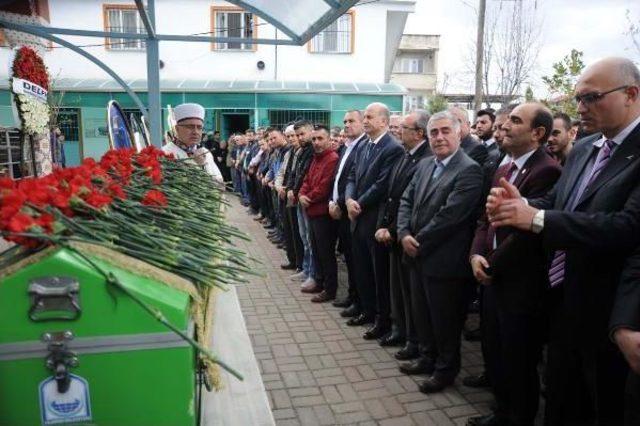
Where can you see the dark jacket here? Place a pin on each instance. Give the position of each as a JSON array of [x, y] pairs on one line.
[[597, 236], [518, 263], [474, 149], [400, 177], [302, 165], [439, 214], [368, 181]]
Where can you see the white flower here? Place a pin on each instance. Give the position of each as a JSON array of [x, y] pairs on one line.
[[34, 115]]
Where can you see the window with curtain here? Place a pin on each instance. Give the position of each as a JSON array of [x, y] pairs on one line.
[[124, 20], [335, 38], [237, 24], [409, 65]]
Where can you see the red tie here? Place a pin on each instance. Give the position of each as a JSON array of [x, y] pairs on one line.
[[506, 171]]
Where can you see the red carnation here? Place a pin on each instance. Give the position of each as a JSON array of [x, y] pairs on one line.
[[98, 200], [154, 198]]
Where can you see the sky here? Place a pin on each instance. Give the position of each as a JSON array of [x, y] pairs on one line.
[[595, 27]]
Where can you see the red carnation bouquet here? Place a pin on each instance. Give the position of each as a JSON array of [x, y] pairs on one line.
[[28, 65], [147, 205]]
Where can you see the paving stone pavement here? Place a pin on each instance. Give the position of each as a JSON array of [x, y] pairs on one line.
[[319, 371]]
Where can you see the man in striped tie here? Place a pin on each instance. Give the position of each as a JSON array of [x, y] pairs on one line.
[[589, 223], [514, 296]]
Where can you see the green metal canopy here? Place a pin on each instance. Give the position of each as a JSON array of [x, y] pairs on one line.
[[299, 20]]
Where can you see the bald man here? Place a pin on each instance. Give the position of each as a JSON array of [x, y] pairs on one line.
[[366, 190], [589, 223]]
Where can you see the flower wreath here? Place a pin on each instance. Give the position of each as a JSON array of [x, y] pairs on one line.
[[34, 115]]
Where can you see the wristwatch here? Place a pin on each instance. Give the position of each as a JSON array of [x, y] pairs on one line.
[[537, 224]]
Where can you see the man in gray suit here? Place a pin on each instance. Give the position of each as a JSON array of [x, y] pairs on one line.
[[435, 227]]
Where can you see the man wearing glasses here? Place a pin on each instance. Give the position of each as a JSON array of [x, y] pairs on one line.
[[589, 223], [190, 120]]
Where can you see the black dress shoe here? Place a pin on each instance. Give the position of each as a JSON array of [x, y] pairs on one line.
[[392, 339], [344, 303], [288, 266], [377, 331], [472, 335], [419, 366], [350, 312], [487, 420], [433, 384], [361, 319], [410, 351], [477, 381]]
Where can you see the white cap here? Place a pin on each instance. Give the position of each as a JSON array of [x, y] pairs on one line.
[[184, 111]]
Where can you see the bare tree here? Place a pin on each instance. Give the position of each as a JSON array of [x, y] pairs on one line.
[[512, 42], [633, 31], [517, 47]]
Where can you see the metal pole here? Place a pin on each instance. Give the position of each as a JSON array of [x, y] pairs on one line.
[[153, 79], [477, 100]]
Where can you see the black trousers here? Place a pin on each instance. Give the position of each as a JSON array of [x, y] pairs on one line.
[[585, 381], [298, 247], [383, 285], [632, 400], [438, 306], [512, 347], [401, 295], [324, 233], [364, 254], [344, 235], [254, 191]]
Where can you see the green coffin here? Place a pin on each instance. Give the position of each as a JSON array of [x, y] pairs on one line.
[[130, 368]]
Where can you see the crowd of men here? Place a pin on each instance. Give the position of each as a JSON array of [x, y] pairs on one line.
[[426, 210]]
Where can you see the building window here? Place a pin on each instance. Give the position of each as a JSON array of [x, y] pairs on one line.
[[123, 19], [234, 23], [413, 102], [424, 64], [282, 118], [335, 38], [10, 153], [69, 123]]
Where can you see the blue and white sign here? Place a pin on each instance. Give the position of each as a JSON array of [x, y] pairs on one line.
[[70, 407]]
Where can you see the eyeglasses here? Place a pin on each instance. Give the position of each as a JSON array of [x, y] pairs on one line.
[[409, 128], [593, 97], [192, 127]]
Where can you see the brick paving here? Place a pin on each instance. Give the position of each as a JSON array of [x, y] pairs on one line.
[[319, 371]]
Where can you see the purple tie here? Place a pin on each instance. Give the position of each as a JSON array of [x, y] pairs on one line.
[[556, 271]]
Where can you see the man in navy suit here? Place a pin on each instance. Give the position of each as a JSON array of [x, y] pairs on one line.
[[366, 189]]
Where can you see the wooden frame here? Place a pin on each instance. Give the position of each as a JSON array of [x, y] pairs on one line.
[[352, 47], [105, 21], [215, 10]]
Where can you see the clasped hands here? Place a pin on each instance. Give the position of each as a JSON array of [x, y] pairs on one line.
[[353, 209], [505, 207]]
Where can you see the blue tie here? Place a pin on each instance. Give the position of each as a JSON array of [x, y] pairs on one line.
[[438, 170]]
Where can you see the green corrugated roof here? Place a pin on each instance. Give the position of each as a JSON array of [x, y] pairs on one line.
[[108, 85]]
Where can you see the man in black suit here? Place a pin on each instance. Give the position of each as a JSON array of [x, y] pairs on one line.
[[366, 188], [624, 327], [414, 140], [436, 220], [590, 222], [355, 135], [514, 296], [470, 145]]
